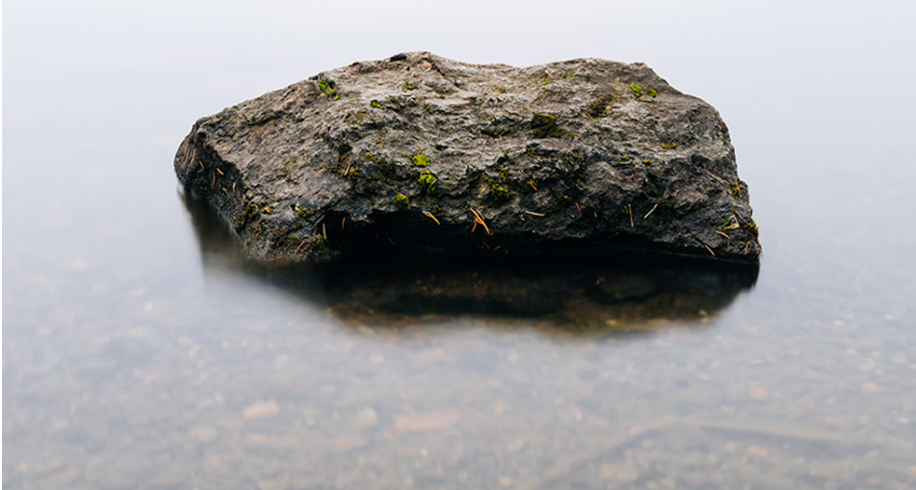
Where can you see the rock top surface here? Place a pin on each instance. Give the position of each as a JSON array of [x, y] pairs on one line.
[[418, 152]]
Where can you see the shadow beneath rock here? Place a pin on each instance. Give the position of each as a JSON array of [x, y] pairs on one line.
[[622, 290]]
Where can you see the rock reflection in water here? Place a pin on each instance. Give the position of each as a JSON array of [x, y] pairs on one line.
[[625, 290]]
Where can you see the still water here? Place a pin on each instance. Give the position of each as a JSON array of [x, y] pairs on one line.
[[140, 351]]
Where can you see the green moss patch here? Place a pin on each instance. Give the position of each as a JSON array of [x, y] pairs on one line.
[[545, 126], [250, 213], [498, 191], [328, 89], [401, 201], [600, 107], [750, 227], [421, 160], [428, 181], [638, 92]]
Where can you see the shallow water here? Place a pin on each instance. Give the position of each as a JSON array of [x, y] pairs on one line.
[[140, 352]]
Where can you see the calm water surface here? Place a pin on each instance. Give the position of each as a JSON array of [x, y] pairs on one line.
[[139, 351]]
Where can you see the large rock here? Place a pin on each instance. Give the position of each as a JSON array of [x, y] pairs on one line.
[[423, 153]]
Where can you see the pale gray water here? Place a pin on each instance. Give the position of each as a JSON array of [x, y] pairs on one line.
[[139, 353]]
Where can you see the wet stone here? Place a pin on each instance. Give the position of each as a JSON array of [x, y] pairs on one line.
[[434, 155]]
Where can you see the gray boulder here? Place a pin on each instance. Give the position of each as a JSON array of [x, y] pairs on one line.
[[425, 154]]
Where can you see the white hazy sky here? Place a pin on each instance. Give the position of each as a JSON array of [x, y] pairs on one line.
[[700, 46]]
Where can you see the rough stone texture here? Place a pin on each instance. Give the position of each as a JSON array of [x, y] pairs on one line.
[[424, 153]]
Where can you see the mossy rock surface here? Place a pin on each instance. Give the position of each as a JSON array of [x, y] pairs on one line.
[[537, 160]]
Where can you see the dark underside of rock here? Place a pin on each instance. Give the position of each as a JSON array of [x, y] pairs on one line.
[[422, 153]]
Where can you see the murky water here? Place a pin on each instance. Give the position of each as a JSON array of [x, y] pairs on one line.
[[140, 352]]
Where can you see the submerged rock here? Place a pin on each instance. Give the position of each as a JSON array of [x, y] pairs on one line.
[[629, 291], [423, 153]]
